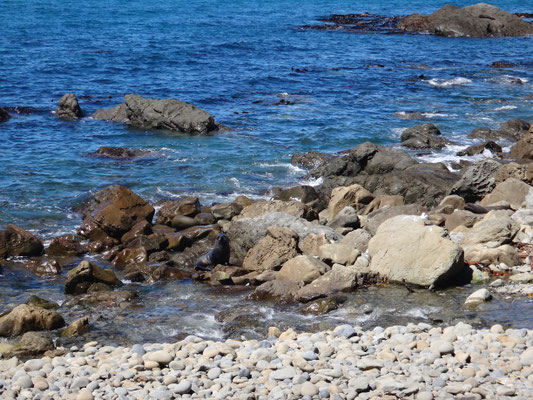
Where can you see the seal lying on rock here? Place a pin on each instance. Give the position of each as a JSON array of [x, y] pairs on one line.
[[218, 255]]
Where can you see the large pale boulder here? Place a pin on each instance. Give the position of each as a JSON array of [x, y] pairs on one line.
[[480, 254], [277, 247], [25, 318], [376, 218], [404, 249], [512, 190], [491, 232], [302, 268], [245, 233], [355, 196]]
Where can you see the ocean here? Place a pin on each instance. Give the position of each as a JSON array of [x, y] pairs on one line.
[[236, 60]]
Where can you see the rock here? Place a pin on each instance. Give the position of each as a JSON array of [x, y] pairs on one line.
[[204, 218], [39, 302], [115, 114], [84, 394], [479, 20], [68, 108], [284, 373], [66, 246], [311, 159], [183, 387], [479, 296], [491, 233], [449, 204], [424, 136], [15, 241], [357, 239], [320, 306], [79, 279], [117, 298], [513, 130], [304, 193], [277, 247], [169, 114], [126, 257], [339, 278], [186, 206], [335, 253], [177, 241], [24, 318], [295, 208], [491, 146], [376, 218], [43, 267], [512, 191], [354, 196], [382, 201], [188, 257], [282, 290], [524, 172], [477, 181], [161, 357], [480, 254], [416, 254], [302, 268], [245, 233], [119, 152], [180, 222], [346, 218], [461, 218], [142, 228], [33, 344], [524, 277], [226, 210], [4, 115], [77, 328], [113, 211]]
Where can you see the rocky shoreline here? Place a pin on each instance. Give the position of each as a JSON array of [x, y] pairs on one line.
[[414, 361]]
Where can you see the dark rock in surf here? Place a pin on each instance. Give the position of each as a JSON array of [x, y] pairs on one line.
[[65, 246], [478, 20], [119, 152], [68, 108], [114, 114], [424, 136], [4, 115]]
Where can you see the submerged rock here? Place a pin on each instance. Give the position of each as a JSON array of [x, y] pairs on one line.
[[69, 108], [119, 152], [479, 20]]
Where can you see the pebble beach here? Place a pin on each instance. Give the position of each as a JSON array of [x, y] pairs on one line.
[[409, 362]]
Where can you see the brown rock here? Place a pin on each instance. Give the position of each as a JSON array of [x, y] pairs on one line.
[[302, 268], [204, 218], [311, 244], [114, 210], [150, 243], [295, 208], [15, 241], [523, 150], [449, 204], [480, 254], [130, 256], [24, 318], [141, 228], [273, 250], [65, 246], [523, 172], [39, 302], [77, 328], [117, 298], [382, 201], [196, 233], [305, 194], [355, 196], [86, 273], [33, 344], [186, 206], [177, 241], [461, 217], [277, 290], [43, 268], [512, 191], [226, 210]]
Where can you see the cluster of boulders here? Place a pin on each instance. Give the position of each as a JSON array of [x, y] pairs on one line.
[[144, 113]]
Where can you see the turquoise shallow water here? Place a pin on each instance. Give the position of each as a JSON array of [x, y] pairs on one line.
[[235, 59]]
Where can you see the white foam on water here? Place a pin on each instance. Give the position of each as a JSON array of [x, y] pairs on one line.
[[438, 115], [312, 181], [503, 108], [235, 182], [510, 79], [449, 82], [293, 169], [398, 131]]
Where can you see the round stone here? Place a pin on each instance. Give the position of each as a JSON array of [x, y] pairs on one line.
[[309, 389]]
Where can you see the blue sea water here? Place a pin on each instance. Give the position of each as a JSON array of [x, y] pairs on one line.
[[234, 59]]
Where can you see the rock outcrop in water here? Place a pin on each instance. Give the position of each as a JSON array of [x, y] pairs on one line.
[[69, 108], [15, 241], [477, 21], [4, 115], [167, 114]]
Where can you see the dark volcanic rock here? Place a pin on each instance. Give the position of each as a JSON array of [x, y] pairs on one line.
[[4, 115], [68, 108], [114, 114], [477, 180], [15, 241], [358, 23], [424, 136], [113, 211], [479, 20], [493, 147], [119, 152], [168, 114]]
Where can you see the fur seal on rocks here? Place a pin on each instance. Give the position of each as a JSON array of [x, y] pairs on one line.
[[218, 255]]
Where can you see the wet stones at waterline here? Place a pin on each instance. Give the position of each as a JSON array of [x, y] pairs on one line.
[[80, 279]]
